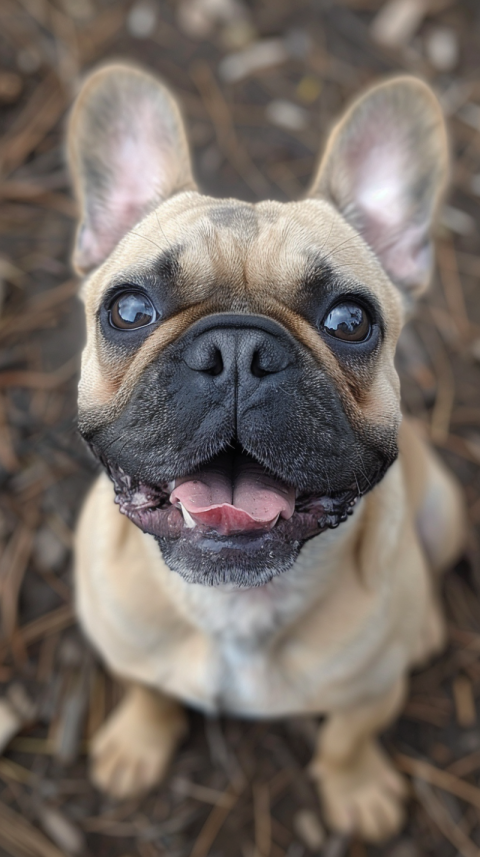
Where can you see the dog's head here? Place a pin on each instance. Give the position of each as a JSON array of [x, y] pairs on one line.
[[238, 381]]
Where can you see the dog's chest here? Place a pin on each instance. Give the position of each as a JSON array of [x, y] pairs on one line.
[[248, 680], [243, 671], [278, 649], [250, 669]]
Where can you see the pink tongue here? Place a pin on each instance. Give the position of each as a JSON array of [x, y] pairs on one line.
[[247, 499]]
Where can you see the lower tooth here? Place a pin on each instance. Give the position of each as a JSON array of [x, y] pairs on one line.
[[189, 522]]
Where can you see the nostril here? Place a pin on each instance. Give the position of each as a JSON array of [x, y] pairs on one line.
[[256, 368], [215, 366]]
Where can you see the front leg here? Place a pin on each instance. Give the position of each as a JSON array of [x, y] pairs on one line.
[[131, 752], [359, 789]]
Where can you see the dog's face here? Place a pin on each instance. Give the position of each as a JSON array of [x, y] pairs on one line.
[[238, 381]]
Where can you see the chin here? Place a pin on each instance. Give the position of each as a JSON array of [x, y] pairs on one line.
[[231, 521]]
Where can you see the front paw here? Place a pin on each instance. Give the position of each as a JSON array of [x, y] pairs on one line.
[[131, 752], [365, 798]]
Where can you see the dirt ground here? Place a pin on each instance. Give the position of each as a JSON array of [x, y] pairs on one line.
[[236, 789]]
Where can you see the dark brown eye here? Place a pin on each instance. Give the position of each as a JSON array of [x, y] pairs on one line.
[[347, 321], [131, 310]]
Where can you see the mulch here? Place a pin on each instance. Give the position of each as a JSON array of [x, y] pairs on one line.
[[236, 788]]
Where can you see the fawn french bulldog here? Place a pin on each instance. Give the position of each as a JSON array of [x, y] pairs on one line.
[[282, 528]]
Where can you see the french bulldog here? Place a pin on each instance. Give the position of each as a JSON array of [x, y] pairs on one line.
[[267, 534]]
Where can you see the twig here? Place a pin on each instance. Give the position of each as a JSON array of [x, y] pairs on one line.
[[452, 287], [37, 118], [16, 832], [466, 765], [48, 624], [214, 822], [263, 824], [445, 823], [436, 777], [40, 380], [12, 569], [227, 139]]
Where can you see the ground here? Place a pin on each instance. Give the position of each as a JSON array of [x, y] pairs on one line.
[[236, 788]]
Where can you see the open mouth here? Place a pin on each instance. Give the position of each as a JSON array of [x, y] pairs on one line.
[[233, 494], [232, 500]]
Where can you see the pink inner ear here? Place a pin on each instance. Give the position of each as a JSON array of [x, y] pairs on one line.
[[379, 187], [141, 170], [382, 205]]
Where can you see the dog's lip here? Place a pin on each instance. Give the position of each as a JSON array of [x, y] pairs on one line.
[[149, 508]]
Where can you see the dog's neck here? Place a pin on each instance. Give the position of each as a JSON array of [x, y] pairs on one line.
[[254, 616]]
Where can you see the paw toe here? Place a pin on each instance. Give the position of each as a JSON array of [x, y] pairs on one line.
[[366, 800], [378, 816]]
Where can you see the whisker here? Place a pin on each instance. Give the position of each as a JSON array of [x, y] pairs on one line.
[[160, 225], [139, 235]]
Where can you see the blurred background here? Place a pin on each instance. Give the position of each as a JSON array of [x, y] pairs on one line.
[[259, 83]]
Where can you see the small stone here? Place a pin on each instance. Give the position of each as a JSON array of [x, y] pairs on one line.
[[458, 221], [211, 159], [260, 55], [142, 19], [470, 114], [464, 699], [442, 48], [295, 849], [397, 22], [455, 96], [472, 442], [10, 723], [469, 741], [61, 831], [193, 20], [475, 350], [405, 848], [198, 18], [11, 273], [475, 184], [79, 10], [11, 85], [287, 115], [16, 709], [29, 60], [70, 653], [308, 828], [49, 552], [48, 789], [309, 89], [298, 43], [21, 702], [238, 34]]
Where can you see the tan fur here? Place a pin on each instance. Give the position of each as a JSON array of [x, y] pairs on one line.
[[335, 635]]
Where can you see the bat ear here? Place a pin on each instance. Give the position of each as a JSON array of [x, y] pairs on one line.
[[127, 151], [384, 168]]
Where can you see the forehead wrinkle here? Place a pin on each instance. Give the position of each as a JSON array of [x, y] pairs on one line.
[[227, 253], [269, 261]]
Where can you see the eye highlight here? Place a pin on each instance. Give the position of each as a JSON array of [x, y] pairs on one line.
[[348, 321], [131, 310]]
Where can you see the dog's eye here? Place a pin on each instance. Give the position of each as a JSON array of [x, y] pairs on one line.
[[347, 321], [131, 310]]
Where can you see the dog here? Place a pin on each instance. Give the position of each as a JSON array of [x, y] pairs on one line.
[[267, 534]]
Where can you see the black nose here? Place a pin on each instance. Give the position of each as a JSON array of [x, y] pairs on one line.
[[239, 349]]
